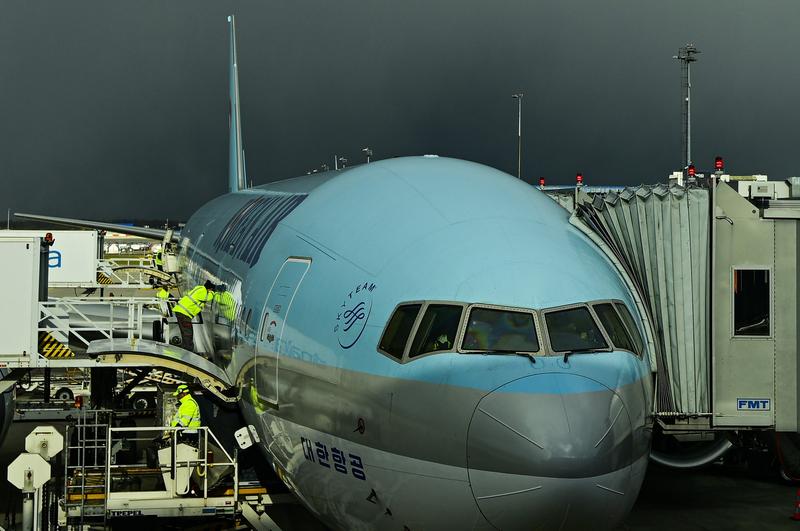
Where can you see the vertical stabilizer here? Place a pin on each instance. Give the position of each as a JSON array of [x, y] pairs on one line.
[[236, 177]]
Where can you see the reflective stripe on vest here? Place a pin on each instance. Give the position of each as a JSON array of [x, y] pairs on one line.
[[189, 305], [188, 414]]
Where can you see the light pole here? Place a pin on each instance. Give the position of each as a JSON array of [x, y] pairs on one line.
[[518, 97], [686, 56]]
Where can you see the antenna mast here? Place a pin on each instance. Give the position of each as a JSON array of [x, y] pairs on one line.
[[686, 55]]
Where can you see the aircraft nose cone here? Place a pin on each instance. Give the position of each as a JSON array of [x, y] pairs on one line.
[[552, 451]]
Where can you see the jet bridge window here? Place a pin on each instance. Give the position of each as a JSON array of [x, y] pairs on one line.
[[751, 302], [437, 330], [494, 330], [615, 329], [397, 331], [573, 329]]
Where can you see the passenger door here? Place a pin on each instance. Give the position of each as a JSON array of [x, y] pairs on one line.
[[273, 323]]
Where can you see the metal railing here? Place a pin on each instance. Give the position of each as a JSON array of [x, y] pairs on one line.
[[172, 436], [85, 466], [99, 318], [128, 272]]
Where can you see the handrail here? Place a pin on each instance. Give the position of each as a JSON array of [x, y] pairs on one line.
[[103, 315], [133, 272], [201, 461]]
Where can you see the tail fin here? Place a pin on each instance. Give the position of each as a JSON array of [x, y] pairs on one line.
[[236, 176]]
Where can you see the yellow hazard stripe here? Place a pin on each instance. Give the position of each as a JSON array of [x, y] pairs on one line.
[[103, 279], [50, 347]]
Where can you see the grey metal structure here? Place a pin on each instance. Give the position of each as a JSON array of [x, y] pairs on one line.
[[715, 265], [661, 235], [686, 55]]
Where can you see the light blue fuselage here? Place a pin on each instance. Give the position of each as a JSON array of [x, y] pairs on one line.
[[449, 440]]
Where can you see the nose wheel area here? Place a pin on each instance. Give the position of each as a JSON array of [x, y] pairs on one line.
[[552, 451]]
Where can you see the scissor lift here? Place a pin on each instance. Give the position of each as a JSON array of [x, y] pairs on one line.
[[108, 475]]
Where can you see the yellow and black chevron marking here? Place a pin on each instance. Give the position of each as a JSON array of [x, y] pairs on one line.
[[50, 347], [103, 279]]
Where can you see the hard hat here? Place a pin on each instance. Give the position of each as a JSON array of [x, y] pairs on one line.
[[182, 388]]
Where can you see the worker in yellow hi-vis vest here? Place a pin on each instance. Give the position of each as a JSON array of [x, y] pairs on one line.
[[188, 414], [187, 308]]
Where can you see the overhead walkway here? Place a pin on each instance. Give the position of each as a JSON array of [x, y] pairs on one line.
[[659, 238]]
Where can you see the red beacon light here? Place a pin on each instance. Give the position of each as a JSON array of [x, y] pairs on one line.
[[690, 170], [541, 182], [719, 164], [579, 179]]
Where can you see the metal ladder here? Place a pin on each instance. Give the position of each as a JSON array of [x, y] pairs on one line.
[[85, 468]]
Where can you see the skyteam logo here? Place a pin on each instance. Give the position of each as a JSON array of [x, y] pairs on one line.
[[753, 404], [353, 313]]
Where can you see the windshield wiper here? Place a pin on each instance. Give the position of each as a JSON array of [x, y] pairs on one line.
[[503, 351], [583, 351]]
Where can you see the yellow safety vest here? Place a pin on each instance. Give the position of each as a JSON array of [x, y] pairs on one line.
[[159, 258], [188, 414], [227, 306], [162, 294], [193, 302]]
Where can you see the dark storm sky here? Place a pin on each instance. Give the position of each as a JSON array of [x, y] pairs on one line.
[[119, 109]]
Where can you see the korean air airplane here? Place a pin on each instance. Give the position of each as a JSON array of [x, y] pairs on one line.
[[425, 343]]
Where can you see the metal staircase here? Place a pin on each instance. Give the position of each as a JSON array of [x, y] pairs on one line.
[[86, 469]]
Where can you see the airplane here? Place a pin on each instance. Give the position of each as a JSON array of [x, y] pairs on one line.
[[423, 343]]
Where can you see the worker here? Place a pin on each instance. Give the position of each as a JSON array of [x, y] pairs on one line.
[[158, 260], [187, 416], [226, 303], [188, 307], [166, 300]]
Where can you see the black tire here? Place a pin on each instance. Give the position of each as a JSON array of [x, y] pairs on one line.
[[141, 401], [65, 393]]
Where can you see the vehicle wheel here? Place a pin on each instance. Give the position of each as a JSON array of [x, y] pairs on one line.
[[140, 402], [65, 393]]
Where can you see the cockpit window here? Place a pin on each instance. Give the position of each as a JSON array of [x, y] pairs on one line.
[[500, 330], [573, 329], [437, 330], [397, 331], [613, 324], [627, 318]]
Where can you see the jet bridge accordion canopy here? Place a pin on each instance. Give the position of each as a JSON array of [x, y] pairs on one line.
[[659, 236]]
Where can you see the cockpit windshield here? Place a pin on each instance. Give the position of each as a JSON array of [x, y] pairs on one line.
[[573, 330], [437, 330], [492, 330]]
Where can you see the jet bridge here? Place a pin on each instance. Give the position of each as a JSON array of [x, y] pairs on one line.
[[714, 268]]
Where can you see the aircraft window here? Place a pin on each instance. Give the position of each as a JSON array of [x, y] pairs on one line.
[[437, 330], [614, 327], [573, 329], [500, 330], [632, 328], [397, 331]]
